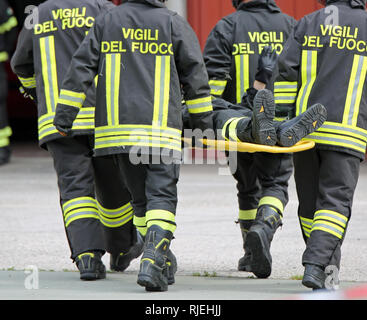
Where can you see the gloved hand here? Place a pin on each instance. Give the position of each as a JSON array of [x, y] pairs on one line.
[[248, 98], [267, 63], [64, 118], [29, 93], [63, 131]]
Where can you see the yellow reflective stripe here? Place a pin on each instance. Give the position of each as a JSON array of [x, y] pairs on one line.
[[284, 86], [28, 82], [89, 201], [332, 216], [116, 222], [70, 98], [200, 105], [49, 72], [337, 140], [8, 25], [160, 215], [140, 129], [306, 226], [140, 221], [90, 254], [163, 224], [217, 87], [161, 90], [5, 132], [272, 201], [138, 144], [162, 218], [139, 133], [113, 73], [242, 75], [285, 98], [4, 142], [355, 90], [4, 56], [309, 73], [232, 130], [247, 214], [139, 138], [328, 227], [140, 225], [344, 130], [112, 213], [80, 216], [224, 129]]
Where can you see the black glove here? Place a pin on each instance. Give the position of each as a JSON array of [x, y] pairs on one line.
[[29, 93], [64, 118], [248, 98], [268, 61]]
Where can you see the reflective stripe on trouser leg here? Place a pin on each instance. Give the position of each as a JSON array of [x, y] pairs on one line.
[[141, 225], [5, 133], [306, 225], [272, 202], [162, 218], [114, 218], [82, 225], [117, 224]]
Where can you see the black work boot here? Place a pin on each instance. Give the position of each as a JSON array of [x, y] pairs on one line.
[[171, 267], [121, 261], [5, 155], [259, 238], [244, 264], [90, 265], [314, 277], [292, 131], [153, 264], [263, 113]]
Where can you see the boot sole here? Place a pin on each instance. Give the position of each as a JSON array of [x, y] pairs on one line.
[[261, 258], [305, 126], [147, 281], [90, 276], [263, 115]]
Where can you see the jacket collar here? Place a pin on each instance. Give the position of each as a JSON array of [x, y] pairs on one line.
[[259, 4]]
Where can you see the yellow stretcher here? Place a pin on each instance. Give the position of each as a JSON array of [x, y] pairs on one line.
[[222, 145]]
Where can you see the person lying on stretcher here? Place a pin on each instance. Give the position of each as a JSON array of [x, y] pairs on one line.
[[253, 120]]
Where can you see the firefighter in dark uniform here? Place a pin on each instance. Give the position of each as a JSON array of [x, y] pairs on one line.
[[96, 207], [8, 33], [327, 50], [143, 54], [231, 55]]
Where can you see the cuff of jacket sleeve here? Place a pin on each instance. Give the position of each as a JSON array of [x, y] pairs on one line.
[[65, 116]]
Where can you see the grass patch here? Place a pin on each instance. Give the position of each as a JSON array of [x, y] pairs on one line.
[[297, 277]]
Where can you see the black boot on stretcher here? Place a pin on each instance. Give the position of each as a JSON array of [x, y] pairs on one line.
[[292, 131]]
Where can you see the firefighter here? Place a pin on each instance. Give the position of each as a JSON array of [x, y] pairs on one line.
[[8, 32], [143, 55], [231, 55], [97, 212], [327, 49]]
